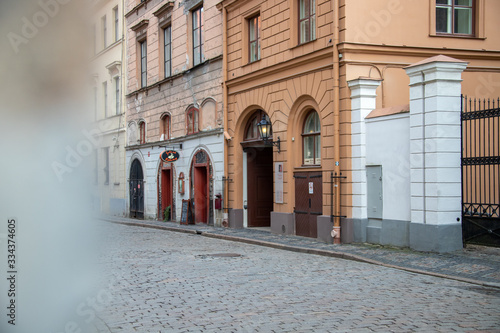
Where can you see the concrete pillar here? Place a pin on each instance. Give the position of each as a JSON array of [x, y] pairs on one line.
[[363, 101], [435, 144]]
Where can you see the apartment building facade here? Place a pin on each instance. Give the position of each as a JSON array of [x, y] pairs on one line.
[[174, 104], [108, 90], [341, 82]]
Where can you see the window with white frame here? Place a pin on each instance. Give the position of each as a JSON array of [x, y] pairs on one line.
[[455, 17]]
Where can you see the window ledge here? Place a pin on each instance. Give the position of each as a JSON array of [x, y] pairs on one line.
[[302, 44], [307, 167], [456, 36], [251, 62]]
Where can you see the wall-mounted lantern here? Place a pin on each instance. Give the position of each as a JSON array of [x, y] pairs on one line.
[[181, 183], [265, 128]]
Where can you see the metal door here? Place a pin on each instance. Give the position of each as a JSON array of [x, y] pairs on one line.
[[136, 190], [308, 202]]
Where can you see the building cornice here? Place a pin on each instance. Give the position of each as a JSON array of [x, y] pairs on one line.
[[275, 72], [140, 25], [165, 8], [138, 7], [419, 51], [180, 139]]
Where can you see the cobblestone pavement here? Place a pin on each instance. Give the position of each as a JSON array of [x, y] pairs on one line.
[[475, 264], [162, 281]]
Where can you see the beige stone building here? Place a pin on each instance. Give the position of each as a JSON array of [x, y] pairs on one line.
[[333, 77], [107, 84], [174, 103]]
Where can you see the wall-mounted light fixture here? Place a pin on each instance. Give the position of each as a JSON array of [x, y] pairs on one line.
[[265, 128]]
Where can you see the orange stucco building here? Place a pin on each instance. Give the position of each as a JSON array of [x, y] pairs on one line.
[[315, 69]]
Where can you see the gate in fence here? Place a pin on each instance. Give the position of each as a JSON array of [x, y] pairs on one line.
[[480, 171]]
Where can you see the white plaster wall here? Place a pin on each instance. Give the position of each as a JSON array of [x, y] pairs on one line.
[[388, 145], [150, 157]]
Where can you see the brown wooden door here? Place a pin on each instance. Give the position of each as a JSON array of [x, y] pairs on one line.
[[260, 186], [308, 206], [201, 194]]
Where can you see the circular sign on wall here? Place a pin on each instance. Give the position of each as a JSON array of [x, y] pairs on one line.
[[169, 156]]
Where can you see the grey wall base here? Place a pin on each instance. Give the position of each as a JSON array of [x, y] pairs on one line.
[[436, 238], [236, 218], [346, 231], [283, 223], [117, 207], [358, 229], [388, 232], [325, 227]]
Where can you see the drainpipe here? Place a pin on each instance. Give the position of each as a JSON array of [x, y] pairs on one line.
[[224, 111], [336, 119]]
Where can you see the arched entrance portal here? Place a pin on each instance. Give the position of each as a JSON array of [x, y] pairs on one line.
[[258, 197], [202, 188], [136, 190]]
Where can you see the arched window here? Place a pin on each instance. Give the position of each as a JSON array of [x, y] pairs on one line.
[[142, 132], [252, 133], [165, 127], [311, 136], [192, 121]]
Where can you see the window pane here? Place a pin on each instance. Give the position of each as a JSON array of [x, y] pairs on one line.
[[318, 149], [312, 124], [303, 9], [313, 27], [443, 19], [190, 122], [463, 21], [196, 19], [304, 31], [443, 2], [253, 29], [309, 150], [196, 55], [463, 3], [313, 7]]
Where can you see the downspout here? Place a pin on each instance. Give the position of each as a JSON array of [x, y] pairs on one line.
[[224, 111], [336, 119]]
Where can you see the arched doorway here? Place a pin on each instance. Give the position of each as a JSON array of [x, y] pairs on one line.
[[136, 190], [202, 188], [258, 197]]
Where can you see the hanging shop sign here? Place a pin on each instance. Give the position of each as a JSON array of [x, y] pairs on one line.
[[169, 156]]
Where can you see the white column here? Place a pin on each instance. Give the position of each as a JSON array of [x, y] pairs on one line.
[[363, 101], [435, 140]]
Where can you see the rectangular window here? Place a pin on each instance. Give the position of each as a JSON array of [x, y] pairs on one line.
[[105, 97], [198, 36], [105, 152], [455, 17], [117, 28], [167, 51], [117, 94], [254, 38], [104, 31], [143, 51], [307, 20]]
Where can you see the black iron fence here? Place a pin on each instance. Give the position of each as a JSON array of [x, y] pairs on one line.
[[481, 171]]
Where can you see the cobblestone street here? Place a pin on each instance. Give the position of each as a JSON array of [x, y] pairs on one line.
[[163, 281]]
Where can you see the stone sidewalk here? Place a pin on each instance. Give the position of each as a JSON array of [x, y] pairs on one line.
[[475, 264]]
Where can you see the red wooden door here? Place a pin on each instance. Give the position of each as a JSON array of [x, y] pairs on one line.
[[308, 202], [166, 191], [260, 186], [201, 194]]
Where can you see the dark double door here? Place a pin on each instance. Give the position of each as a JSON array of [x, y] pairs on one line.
[[308, 202], [260, 186], [136, 190]]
